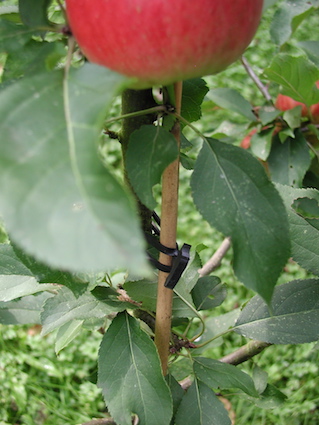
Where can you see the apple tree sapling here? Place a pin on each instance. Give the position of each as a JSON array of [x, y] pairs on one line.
[[160, 43], [62, 204]]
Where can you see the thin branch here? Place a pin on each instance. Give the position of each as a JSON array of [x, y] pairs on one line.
[[103, 421], [244, 353], [256, 80], [216, 259]]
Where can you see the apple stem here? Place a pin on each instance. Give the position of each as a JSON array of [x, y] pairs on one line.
[[169, 212]]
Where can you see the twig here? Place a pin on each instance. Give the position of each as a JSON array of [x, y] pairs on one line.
[[244, 353], [216, 259], [103, 421], [256, 80]]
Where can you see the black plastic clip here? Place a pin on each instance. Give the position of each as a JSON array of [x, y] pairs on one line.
[[180, 257]]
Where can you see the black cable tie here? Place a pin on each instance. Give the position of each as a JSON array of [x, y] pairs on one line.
[[156, 218], [179, 265], [180, 257], [162, 267], [152, 240]]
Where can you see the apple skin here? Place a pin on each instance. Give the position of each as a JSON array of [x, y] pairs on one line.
[[284, 103], [159, 42]]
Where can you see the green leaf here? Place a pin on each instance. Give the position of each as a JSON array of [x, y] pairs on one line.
[[66, 307], [311, 47], [34, 12], [13, 37], [216, 374], [294, 318], [183, 305], [297, 76], [176, 391], [267, 114], [21, 275], [186, 161], [200, 406], [41, 271], [12, 287], [67, 333], [289, 161], [232, 192], [57, 199], [293, 117], [10, 264], [11, 13], [287, 18], [307, 208], [145, 292], [270, 398], [130, 375], [208, 293], [32, 59], [233, 100], [260, 143], [151, 149], [260, 378], [214, 327], [190, 276], [194, 91], [23, 311], [304, 235]]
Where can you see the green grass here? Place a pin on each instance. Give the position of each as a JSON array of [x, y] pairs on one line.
[[38, 387]]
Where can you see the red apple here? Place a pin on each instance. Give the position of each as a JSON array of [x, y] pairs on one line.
[[162, 41], [284, 103]]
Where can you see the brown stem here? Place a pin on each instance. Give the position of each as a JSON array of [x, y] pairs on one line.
[[169, 211], [244, 353], [216, 259]]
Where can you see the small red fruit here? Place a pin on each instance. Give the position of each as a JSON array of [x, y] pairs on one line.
[[245, 143], [162, 41], [284, 103], [314, 109]]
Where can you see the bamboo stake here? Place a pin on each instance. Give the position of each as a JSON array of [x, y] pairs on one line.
[[169, 212]]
